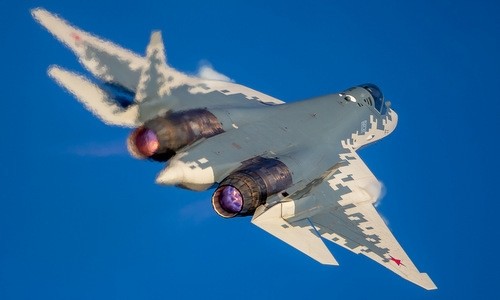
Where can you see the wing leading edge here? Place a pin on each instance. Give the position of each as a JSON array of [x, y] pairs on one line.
[[341, 210]]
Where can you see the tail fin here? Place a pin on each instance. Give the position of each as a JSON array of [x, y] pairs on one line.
[[153, 83], [95, 99]]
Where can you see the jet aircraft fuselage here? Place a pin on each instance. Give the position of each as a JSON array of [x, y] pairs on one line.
[[292, 167], [304, 135]]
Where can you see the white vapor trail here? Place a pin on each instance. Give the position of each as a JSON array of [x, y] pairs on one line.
[[206, 71], [197, 211], [377, 189], [94, 149]]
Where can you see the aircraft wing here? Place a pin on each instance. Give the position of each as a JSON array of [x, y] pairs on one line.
[[120, 68], [339, 205]]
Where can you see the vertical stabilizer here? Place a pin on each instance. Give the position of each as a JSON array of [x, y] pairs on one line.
[[153, 83]]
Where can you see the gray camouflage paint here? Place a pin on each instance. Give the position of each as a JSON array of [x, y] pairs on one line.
[[322, 178]]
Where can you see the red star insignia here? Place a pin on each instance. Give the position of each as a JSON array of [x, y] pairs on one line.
[[76, 36], [397, 261]]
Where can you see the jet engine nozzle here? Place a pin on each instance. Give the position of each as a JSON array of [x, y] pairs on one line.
[[239, 195], [158, 139], [227, 201], [146, 142], [242, 192], [143, 142]]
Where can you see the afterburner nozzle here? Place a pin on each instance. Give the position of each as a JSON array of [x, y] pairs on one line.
[[143, 143], [227, 201]]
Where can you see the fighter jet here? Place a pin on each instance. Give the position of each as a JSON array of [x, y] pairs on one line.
[[292, 167]]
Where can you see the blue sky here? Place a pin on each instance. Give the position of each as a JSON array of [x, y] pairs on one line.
[[80, 219]]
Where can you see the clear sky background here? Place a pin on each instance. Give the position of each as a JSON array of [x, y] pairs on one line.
[[80, 219]]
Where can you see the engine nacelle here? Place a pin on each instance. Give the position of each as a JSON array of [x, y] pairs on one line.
[[159, 138], [243, 191]]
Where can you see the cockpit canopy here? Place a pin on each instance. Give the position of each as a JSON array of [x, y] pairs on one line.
[[377, 96]]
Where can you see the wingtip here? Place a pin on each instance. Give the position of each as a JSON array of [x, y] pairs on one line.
[[53, 23], [35, 12], [59, 75], [53, 70], [427, 282], [40, 14], [330, 261]]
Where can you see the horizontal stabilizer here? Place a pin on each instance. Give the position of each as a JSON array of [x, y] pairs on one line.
[[94, 98], [300, 234]]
